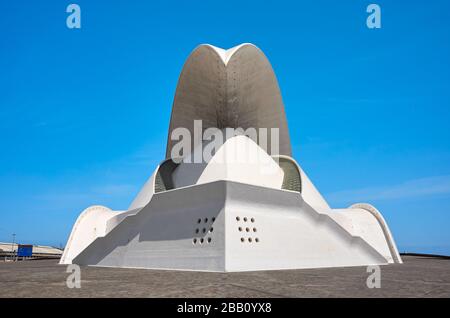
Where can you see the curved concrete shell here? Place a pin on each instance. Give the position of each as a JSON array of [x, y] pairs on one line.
[[234, 88], [245, 208]]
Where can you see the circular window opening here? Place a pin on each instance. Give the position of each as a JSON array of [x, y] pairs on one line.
[[250, 239], [209, 240], [254, 229], [204, 230], [238, 218], [196, 231], [194, 241], [201, 241], [211, 229], [206, 220], [245, 219], [242, 239], [252, 220], [213, 219], [247, 229], [199, 220], [256, 240], [240, 229]]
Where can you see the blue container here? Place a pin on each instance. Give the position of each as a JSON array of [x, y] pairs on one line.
[[25, 250]]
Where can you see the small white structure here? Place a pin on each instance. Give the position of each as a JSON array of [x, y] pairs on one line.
[[230, 215]]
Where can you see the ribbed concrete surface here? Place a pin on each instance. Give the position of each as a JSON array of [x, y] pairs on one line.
[[417, 277], [244, 93]]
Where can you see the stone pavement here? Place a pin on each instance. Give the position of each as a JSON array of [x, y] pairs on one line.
[[417, 277]]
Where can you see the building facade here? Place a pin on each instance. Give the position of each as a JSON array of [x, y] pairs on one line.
[[247, 206]]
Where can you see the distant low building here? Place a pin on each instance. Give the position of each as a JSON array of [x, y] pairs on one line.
[[37, 251]]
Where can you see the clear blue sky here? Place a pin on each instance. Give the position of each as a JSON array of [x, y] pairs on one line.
[[84, 113]]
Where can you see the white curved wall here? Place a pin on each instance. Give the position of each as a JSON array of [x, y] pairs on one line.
[[239, 159], [145, 194], [90, 224], [360, 222]]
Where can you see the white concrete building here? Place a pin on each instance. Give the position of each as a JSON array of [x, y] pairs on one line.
[[230, 215]]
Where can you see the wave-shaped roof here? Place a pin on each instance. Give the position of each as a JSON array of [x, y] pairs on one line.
[[229, 88]]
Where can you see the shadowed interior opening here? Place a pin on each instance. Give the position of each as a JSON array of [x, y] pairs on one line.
[[163, 180], [292, 180]]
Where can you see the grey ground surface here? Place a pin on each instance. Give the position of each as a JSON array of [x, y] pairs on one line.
[[417, 277]]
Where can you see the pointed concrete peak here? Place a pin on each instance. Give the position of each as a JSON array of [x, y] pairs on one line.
[[226, 55]]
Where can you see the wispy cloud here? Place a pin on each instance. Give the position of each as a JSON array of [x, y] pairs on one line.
[[437, 185]]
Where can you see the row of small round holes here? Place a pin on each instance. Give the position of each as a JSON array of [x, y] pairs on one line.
[[245, 219], [249, 240], [206, 220], [201, 240], [246, 229], [197, 231]]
